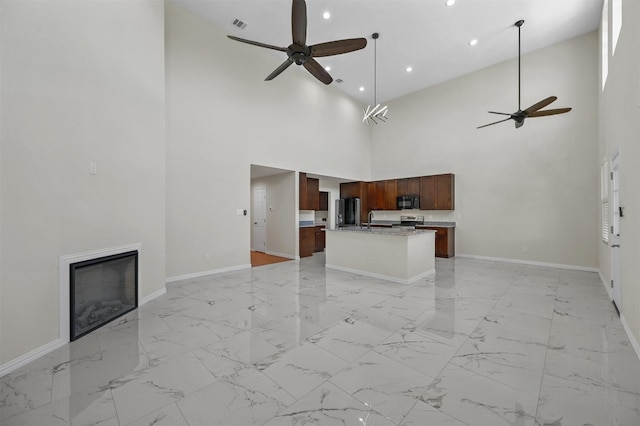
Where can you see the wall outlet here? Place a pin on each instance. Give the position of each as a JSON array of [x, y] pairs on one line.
[[93, 168]]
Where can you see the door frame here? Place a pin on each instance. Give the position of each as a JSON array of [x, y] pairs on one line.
[[614, 240]]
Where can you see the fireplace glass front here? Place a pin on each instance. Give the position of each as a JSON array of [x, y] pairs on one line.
[[101, 290]]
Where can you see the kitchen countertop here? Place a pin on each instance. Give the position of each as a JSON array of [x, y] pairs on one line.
[[432, 224], [396, 232]]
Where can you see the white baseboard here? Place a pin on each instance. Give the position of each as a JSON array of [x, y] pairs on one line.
[[152, 296], [205, 273], [606, 287], [275, 253], [380, 276], [530, 262], [57, 343], [630, 335], [31, 356]]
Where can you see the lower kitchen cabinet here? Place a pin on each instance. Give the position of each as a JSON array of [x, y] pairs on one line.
[[320, 239], [445, 241], [307, 241]]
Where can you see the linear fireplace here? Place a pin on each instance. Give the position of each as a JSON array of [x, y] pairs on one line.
[[101, 290]]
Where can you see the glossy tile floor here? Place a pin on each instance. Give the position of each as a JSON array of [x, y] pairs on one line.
[[482, 343]]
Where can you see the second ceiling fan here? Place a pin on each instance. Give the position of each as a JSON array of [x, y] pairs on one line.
[[299, 53], [534, 110]]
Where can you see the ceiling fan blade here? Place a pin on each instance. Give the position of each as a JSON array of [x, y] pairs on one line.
[[257, 43], [317, 71], [501, 113], [549, 112], [338, 47], [543, 103], [278, 70], [491, 124], [299, 22]]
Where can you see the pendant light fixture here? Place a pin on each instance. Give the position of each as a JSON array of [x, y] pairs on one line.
[[372, 114]]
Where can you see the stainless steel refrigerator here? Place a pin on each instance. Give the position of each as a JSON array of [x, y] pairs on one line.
[[347, 212]]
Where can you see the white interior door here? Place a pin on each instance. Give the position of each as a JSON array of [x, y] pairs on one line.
[[616, 213], [260, 219]]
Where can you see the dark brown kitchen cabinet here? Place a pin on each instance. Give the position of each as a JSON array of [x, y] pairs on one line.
[[437, 192], [320, 239], [351, 190], [379, 195], [445, 241], [313, 194], [409, 186], [390, 194], [324, 201], [302, 191], [307, 241], [309, 193]]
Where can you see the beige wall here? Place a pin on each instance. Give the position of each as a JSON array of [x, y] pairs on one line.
[[223, 117], [524, 193], [620, 132], [82, 81]]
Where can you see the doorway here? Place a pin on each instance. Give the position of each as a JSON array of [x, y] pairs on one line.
[[617, 213], [260, 219]]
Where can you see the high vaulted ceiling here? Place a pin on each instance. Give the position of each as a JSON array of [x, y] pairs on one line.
[[426, 35]]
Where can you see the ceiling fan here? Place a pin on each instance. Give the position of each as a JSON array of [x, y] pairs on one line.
[[299, 53], [534, 110]]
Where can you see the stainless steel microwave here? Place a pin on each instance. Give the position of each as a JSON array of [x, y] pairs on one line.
[[408, 202]]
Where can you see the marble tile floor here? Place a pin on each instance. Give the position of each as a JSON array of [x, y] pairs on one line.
[[479, 343]]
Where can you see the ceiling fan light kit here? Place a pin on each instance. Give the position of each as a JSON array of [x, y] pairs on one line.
[[376, 112], [299, 53], [534, 110]]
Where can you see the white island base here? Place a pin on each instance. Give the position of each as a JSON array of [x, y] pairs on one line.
[[396, 255]]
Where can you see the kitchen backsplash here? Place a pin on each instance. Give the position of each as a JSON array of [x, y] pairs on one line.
[[321, 216], [430, 215]]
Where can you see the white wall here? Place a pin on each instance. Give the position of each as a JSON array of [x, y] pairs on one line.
[[81, 81], [282, 228], [620, 131], [223, 117], [523, 193]]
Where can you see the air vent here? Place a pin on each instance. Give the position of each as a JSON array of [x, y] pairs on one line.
[[238, 23], [339, 80]]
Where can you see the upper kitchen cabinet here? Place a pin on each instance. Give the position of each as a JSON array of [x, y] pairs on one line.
[[391, 194], [409, 186], [309, 193], [351, 189], [324, 201], [437, 192], [313, 194]]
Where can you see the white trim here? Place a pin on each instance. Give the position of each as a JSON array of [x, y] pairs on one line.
[[57, 343], [607, 288], [30, 356], [380, 276], [530, 262], [275, 253], [152, 296], [63, 295], [205, 273], [630, 335]]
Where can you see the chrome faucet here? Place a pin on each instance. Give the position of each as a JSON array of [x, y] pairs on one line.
[[369, 219]]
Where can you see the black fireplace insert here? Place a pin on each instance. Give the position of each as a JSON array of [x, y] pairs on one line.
[[102, 290]]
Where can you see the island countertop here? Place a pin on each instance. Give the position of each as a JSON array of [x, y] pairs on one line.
[[400, 232]]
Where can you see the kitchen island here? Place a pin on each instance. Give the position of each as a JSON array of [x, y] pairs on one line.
[[399, 255]]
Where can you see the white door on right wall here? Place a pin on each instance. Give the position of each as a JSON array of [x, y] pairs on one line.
[[616, 213]]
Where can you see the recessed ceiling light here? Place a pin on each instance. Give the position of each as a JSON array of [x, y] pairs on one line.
[[409, 69], [328, 68], [361, 88], [451, 2], [473, 42], [327, 15]]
